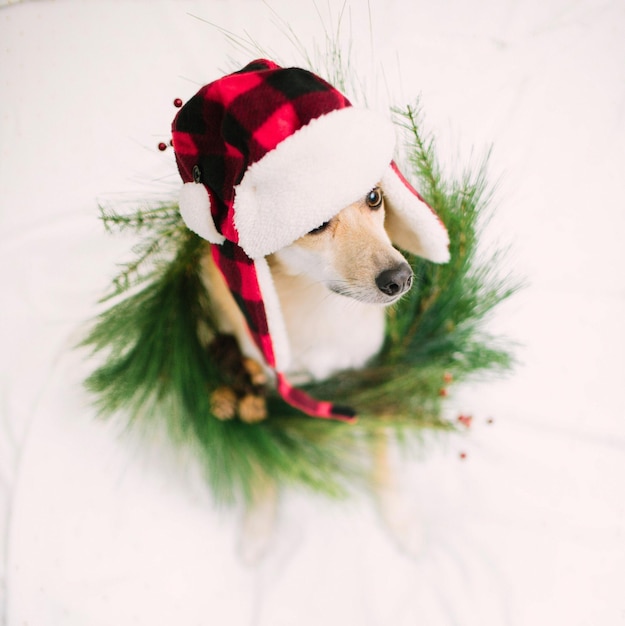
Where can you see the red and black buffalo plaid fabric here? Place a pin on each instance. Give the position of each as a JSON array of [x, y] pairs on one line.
[[218, 134], [234, 122]]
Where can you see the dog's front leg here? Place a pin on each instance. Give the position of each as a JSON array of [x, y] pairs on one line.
[[398, 511], [259, 520]]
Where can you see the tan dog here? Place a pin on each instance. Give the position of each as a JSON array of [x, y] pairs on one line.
[[270, 157], [333, 285]]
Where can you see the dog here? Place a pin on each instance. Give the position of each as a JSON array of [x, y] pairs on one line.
[[334, 285], [279, 175]]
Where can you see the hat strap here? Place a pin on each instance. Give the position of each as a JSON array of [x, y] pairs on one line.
[[315, 408]]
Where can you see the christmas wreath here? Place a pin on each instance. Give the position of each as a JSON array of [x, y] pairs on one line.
[[154, 364]]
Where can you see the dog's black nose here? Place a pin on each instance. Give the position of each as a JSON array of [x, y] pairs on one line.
[[395, 281]]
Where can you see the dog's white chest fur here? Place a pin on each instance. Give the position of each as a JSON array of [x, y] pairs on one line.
[[327, 332]]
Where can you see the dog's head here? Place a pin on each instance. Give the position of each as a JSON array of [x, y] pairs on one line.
[[352, 254]]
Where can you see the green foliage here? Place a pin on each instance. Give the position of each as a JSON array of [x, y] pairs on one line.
[[441, 321], [154, 366]]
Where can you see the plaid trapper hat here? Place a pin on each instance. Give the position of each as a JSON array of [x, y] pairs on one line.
[[253, 149]]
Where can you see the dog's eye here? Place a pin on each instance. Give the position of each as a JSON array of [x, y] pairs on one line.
[[319, 229], [374, 198]]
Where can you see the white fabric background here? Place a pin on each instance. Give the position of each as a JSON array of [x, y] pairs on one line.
[[529, 529]]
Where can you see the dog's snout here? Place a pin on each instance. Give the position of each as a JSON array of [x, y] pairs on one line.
[[395, 281]]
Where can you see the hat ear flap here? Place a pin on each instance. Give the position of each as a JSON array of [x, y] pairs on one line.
[[278, 353], [195, 209], [410, 223]]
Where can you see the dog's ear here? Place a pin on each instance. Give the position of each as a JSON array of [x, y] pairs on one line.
[[410, 223]]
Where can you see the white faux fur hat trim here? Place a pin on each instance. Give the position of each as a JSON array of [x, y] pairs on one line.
[[195, 209], [273, 312], [309, 177], [410, 223]]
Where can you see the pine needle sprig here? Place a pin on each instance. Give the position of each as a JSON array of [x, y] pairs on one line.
[[161, 230], [140, 219], [451, 302]]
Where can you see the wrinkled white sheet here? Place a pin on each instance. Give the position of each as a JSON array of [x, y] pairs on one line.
[[528, 530]]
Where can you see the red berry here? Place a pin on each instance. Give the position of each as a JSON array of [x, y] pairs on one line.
[[162, 146], [177, 103], [443, 392], [465, 420], [448, 377], [463, 455]]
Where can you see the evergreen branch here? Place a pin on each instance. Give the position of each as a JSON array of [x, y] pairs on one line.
[[132, 273], [165, 230], [421, 152], [140, 219]]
